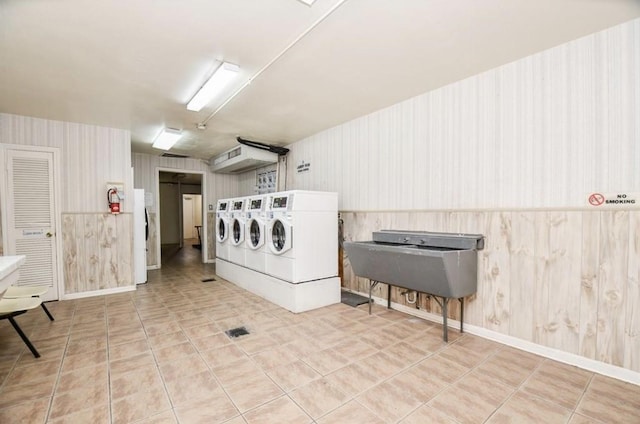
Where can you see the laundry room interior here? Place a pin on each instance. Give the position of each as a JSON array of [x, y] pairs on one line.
[[387, 212]]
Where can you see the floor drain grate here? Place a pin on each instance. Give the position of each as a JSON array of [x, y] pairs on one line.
[[207, 280], [236, 332]]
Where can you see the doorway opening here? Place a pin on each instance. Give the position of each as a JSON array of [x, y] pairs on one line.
[[180, 206]]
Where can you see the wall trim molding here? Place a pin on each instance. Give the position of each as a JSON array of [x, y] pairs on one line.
[[81, 295], [544, 351]]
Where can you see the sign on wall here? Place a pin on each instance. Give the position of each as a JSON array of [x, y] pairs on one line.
[[303, 167], [266, 182], [622, 200]]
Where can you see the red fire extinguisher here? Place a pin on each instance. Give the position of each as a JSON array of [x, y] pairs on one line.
[[114, 200]]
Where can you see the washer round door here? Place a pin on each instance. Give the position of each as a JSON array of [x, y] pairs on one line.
[[237, 232], [254, 234], [279, 236], [222, 230]]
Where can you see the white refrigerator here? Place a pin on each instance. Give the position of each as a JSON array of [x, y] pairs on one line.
[[140, 234]]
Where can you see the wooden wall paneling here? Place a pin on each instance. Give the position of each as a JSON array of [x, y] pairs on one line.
[[632, 319], [612, 285], [124, 250], [152, 241], [542, 283], [69, 253], [357, 227], [496, 276], [522, 269], [565, 239], [80, 227], [211, 239], [107, 248], [348, 229], [398, 221], [91, 260], [589, 287]]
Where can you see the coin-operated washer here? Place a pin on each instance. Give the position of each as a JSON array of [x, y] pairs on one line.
[[237, 222], [255, 233], [302, 236], [222, 229]]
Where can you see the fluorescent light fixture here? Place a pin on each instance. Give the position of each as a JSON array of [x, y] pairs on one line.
[[218, 81], [167, 138]]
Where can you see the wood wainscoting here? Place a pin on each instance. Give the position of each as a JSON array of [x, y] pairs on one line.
[[97, 251]]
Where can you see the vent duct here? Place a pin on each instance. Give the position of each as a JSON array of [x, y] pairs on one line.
[[173, 155], [241, 159]]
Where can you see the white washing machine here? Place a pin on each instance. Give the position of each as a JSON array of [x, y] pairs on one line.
[[222, 229], [302, 236], [255, 233], [237, 221]]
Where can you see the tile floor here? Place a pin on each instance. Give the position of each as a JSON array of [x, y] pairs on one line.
[[160, 355]]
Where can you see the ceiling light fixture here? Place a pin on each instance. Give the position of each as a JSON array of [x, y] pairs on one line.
[[308, 2], [275, 59], [218, 81], [167, 138]]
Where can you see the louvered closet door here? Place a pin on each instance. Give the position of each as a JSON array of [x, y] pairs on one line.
[[31, 216]]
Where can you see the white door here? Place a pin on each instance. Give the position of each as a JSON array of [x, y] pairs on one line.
[[187, 217], [31, 212]]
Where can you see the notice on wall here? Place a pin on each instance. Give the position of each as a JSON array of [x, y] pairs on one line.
[[148, 199], [618, 200], [303, 167], [266, 182]]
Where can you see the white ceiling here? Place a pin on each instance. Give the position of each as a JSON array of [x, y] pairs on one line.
[[135, 64]]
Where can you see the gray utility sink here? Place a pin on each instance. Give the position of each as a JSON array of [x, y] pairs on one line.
[[438, 271], [442, 265]]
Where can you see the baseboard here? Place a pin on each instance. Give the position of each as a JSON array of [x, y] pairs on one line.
[[547, 352], [71, 296], [152, 267]]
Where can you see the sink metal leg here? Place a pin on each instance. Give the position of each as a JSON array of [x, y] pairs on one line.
[[372, 284], [461, 314], [445, 327], [388, 296], [443, 305]]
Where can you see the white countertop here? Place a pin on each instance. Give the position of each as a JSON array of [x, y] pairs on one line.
[[8, 264]]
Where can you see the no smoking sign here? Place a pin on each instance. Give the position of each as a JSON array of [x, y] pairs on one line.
[[615, 200]]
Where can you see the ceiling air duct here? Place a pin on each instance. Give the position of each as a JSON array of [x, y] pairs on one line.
[[242, 159]]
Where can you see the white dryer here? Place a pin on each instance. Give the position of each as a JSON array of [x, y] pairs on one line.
[[255, 233], [222, 229], [237, 223], [302, 236]]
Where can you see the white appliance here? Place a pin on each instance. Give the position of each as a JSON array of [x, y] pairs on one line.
[[222, 229], [242, 159], [140, 235], [255, 233], [302, 236], [237, 223]]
